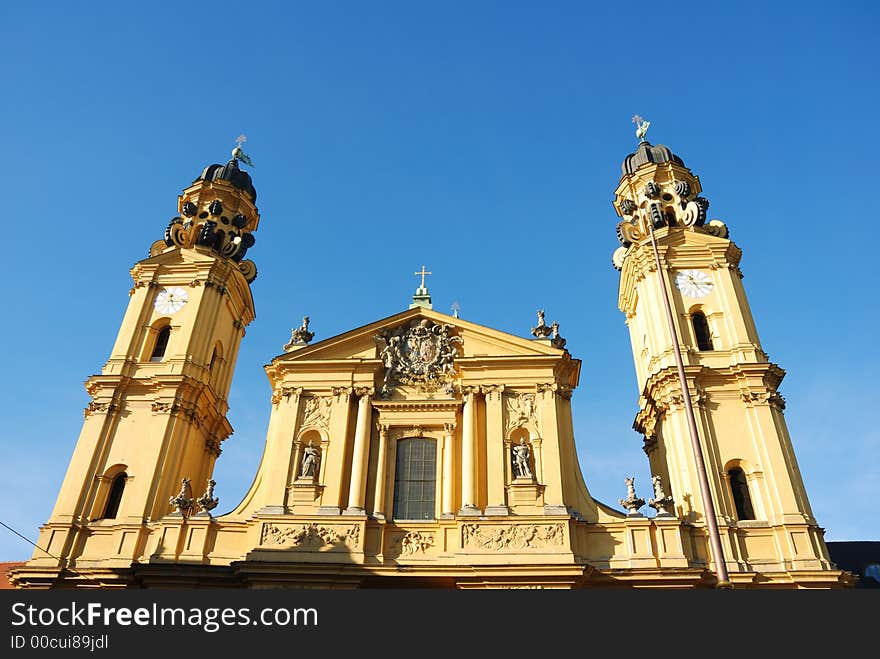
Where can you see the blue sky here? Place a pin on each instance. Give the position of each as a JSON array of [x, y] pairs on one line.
[[481, 139]]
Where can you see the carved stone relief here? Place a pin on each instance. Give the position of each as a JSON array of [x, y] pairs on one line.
[[521, 410], [551, 388], [316, 412], [342, 394], [99, 407], [420, 354], [415, 542], [512, 537], [286, 392], [311, 536]]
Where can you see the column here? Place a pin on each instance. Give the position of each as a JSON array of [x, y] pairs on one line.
[[468, 458], [448, 470], [379, 496], [361, 451], [495, 451]]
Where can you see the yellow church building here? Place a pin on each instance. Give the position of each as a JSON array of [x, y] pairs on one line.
[[423, 450]]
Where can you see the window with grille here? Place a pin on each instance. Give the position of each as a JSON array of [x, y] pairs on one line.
[[415, 478]]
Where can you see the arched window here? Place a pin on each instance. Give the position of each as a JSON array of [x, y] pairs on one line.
[[161, 344], [701, 331], [415, 481], [214, 357], [741, 498], [115, 496]]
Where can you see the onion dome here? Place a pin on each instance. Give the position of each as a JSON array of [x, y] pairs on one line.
[[648, 153], [230, 172]]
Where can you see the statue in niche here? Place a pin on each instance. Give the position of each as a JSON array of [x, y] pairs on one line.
[[309, 465], [521, 460]]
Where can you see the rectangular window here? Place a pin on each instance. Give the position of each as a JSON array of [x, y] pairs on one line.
[[415, 478]]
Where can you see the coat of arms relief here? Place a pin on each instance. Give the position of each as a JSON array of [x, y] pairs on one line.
[[421, 354]]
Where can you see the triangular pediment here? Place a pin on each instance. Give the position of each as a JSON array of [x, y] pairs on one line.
[[477, 340]]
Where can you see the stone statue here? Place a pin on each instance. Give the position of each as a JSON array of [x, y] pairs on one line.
[[309, 465], [300, 336], [541, 330], [521, 460], [632, 503], [661, 501], [391, 355], [557, 341], [183, 502], [208, 501]]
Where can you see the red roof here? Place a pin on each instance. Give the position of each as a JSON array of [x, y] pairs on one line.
[[4, 574]]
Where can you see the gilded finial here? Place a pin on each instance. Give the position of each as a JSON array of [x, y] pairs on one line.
[[238, 154], [641, 127]]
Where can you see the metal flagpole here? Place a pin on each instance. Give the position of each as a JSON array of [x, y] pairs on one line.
[[705, 493]]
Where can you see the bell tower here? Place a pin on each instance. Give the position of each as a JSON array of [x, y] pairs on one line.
[[763, 514], [158, 407]]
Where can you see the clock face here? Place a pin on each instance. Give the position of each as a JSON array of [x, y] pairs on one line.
[[693, 283], [170, 300]]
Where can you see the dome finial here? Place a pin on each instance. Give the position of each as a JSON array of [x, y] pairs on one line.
[[641, 127], [422, 298], [238, 154]]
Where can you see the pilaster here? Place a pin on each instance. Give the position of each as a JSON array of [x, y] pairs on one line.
[[448, 507], [495, 453], [333, 468], [554, 503], [279, 447]]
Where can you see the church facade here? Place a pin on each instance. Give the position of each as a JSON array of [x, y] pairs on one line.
[[423, 450]]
